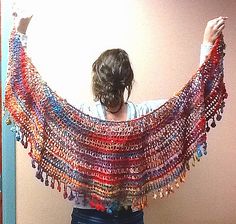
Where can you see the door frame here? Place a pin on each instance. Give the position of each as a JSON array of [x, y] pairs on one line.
[[8, 139]]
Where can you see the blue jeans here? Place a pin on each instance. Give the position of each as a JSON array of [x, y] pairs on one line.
[[92, 216]]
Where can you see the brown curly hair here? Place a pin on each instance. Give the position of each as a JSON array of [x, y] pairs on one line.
[[112, 74]]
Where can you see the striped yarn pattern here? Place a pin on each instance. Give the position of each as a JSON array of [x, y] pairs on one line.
[[114, 164]]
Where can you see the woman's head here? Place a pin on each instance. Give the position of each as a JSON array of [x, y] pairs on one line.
[[112, 74]]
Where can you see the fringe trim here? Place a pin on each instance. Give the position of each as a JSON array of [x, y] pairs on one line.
[[114, 206]]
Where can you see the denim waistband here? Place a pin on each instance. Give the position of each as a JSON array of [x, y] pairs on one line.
[[91, 216]]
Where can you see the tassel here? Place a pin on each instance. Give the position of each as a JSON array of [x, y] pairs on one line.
[[77, 198], [207, 127], [102, 208], [197, 158], [46, 181], [176, 183], [58, 186], [218, 117], [92, 203], [169, 190], [199, 150], [18, 136], [182, 180], [65, 194], [42, 179], [193, 161], [71, 196], [52, 183], [109, 211], [39, 173], [199, 153], [97, 207], [31, 151], [222, 106], [155, 196], [25, 143], [115, 205], [187, 165], [161, 194], [213, 124], [167, 193], [221, 110], [33, 163], [205, 148], [144, 202]]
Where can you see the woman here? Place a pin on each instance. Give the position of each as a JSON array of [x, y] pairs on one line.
[[112, 76]]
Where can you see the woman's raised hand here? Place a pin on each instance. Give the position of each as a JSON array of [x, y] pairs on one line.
[[23, 24], [213, 29]]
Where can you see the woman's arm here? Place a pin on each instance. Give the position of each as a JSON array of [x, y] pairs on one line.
[[212, 30]]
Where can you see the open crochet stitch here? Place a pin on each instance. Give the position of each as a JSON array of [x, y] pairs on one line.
[[112, 163]]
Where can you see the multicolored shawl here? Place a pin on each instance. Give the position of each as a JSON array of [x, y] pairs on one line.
[[112, 163]]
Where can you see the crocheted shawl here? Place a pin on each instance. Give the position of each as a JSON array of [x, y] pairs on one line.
[[113, 163]]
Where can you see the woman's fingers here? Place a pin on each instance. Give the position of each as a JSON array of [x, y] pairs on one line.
[[220, 22], [221, 17], [220, 25], [217, 21], [220, 28], [213, 28]]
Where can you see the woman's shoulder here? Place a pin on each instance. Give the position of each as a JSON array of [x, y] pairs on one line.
[[93, 109], [146, 106], [150, 104]]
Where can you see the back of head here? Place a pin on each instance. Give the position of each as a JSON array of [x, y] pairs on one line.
[[112, 74]]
